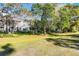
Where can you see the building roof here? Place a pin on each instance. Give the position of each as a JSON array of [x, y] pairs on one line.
[[21, 17], [4, 14]]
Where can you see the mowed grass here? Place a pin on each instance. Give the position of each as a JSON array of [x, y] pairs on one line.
[[36, 45]]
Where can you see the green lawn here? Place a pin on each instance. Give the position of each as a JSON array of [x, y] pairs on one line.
[[54, 44]]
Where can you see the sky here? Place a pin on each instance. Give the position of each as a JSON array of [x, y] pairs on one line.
[[24, 5], [27, 5]]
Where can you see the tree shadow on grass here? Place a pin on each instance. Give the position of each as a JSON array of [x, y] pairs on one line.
[[75, 36], [7, 50], [67, 43], [72, 35]]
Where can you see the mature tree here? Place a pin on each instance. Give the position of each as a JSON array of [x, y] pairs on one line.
[[65, 19], [9, 8], [66, 13], [44, 11]]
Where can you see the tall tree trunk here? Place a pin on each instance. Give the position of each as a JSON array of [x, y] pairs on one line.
[[44, 29]]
